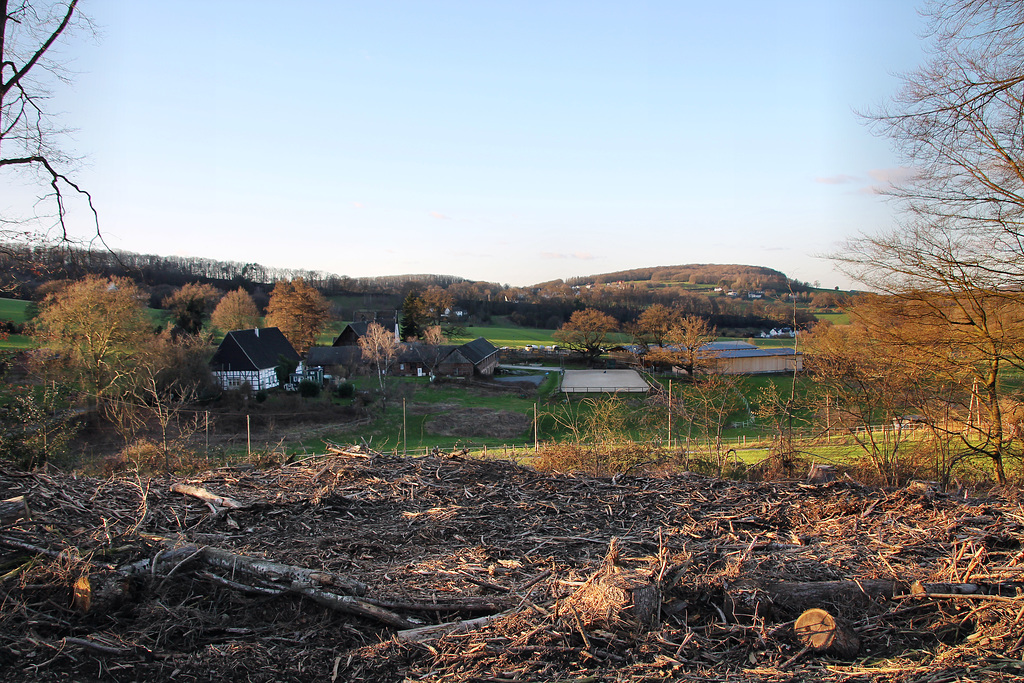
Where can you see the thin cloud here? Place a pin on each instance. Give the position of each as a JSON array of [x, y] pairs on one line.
[[893, 175], [886, 178], [840, 179], [578, 256], [357, 205], [439, 216]]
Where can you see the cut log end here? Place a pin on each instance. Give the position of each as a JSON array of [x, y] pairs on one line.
[[819, 630], [14, 509]]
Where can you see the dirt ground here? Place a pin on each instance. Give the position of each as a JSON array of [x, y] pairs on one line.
[[464, 422], [535, 577]]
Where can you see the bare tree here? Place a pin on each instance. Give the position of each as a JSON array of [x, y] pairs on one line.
[[866, 387], [28, 135], [955, 263], [705, 405], [380, 348]]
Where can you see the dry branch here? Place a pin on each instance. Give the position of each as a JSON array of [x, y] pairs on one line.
[[422, 634], [206, 496], [351, 605]]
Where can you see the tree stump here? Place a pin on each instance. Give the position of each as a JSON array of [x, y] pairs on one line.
[[819, 630], [615, 598], [821, 474]]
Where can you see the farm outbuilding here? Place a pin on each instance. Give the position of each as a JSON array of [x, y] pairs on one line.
[[415, 359], [743, 358]]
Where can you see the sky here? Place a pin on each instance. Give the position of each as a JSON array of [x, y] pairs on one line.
[[513, 142]]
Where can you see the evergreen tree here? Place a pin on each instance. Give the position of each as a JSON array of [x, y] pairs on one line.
[[414, 316]]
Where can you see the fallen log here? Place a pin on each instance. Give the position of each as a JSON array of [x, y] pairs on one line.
[[69, 555], [798, 596], [455, 604], [269, 570], [154, 565], [794, 596], [299, 580]]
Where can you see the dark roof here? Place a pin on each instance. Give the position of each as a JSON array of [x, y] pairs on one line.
[[415, 352], [355, 330], [456, 357], [478, 350], [259, 349], [333, 355], [729, 346], [360, 327]]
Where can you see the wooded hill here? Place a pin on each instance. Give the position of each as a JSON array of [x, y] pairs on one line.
[[735, 276], [26, 271]]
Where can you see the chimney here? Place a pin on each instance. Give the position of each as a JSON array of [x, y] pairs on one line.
[[257, 332]]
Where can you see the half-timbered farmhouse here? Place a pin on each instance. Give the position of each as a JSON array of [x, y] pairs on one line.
[[251, 356]]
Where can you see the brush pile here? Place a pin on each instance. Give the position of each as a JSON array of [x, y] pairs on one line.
[[358, 566]]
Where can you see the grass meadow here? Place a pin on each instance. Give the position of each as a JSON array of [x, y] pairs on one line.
[[14, 310]]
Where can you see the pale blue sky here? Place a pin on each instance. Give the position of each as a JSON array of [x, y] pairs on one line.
[[507, 141]]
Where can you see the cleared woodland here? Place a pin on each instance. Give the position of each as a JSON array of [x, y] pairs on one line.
[[332, 568]]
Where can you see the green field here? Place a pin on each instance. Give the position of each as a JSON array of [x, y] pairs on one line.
[[14, 309], [17, 342], [506, 336], [834, 318], [518, 337], [423, 400], [415, 401]]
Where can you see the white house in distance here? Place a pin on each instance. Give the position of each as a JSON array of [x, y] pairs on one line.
[[251, 356]]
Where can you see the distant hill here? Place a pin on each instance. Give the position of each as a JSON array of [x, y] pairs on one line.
[[731, 275]]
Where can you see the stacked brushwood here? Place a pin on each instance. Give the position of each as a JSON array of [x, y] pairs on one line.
[[353, 565]]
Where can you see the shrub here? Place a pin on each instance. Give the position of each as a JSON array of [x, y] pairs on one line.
[[345, 390], [599, 461], [147, 457], [309, 388]]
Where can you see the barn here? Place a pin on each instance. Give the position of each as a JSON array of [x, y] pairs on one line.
[[744, 358]]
